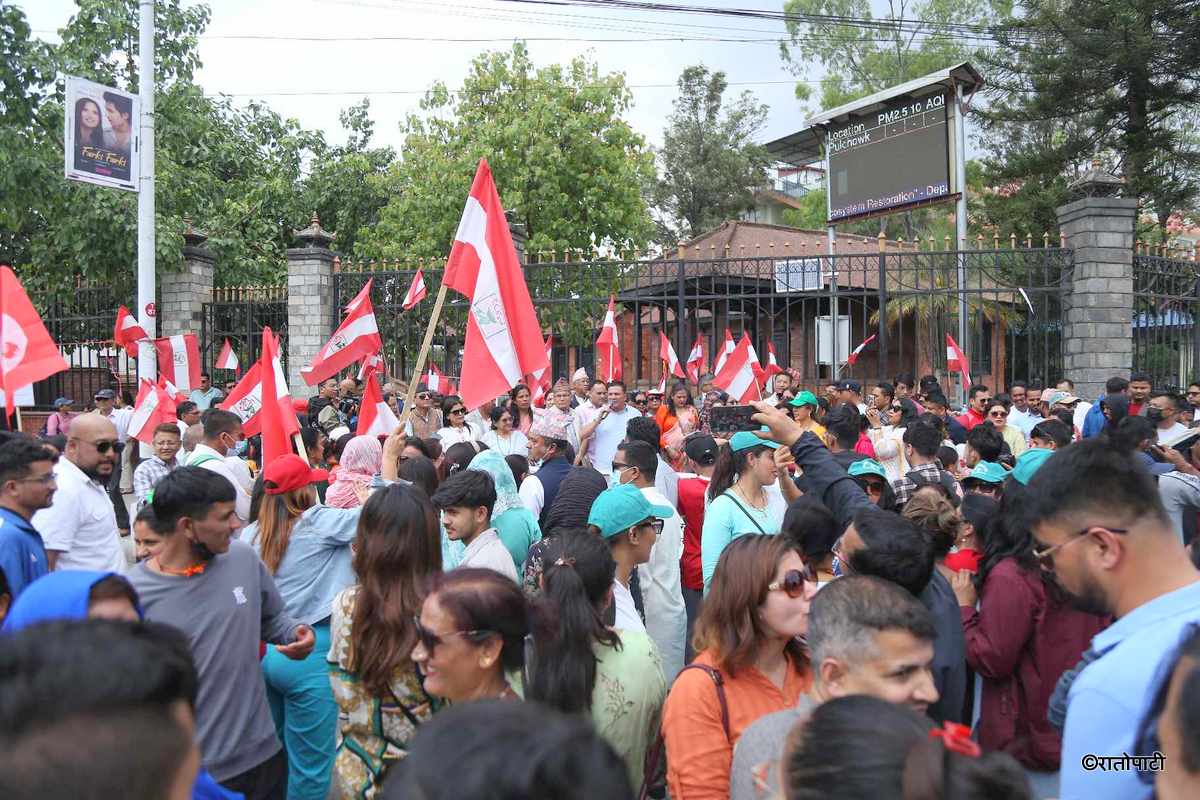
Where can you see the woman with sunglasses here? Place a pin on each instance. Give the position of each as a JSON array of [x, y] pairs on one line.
[[376, 685], [750, 662], [504, 436], [997, 415], [873, 478], [471, 635], [1023, 636], [580, 665], [886, 433], [456, 429]]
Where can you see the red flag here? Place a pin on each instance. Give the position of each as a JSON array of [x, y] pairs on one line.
[[736, 377], [437, 382], [171, 391], [695, 362], [371, 362], [279, 421], [416, 292], [667, 354], [152, 408], [853, 357], [504, 338], [725, 351], [539, 381], [179, 360], [956, 361], [356, 337], [773, 367], [246, 400], [760, 374], [375, 417], [228, 359], [608, 347], [27, 353], [662, 384], [127, 333]]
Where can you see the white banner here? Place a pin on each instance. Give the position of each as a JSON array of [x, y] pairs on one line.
[[101, 135]]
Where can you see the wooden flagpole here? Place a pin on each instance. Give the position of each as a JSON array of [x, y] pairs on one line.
[[425, 345]]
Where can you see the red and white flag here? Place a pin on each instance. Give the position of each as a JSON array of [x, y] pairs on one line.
[[127, 332], [371, 362], [695, 362], [375, 417], [539, 382], [760, 374], [956, 361], [504, 338], [246, 399], [662, 384], [416, 291], [179, 360], [279, 421], [356, 337], [608, 346], [152, 408], [854, 354], [725, 352], [171, 390], [27, 353], [736, 377], [435, 381], [227, 359], [667, 353], [773, 367]]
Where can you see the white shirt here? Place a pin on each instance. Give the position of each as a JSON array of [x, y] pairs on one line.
[[584, 414], [608, 434], [452, 436], [120, 419], [486, 551], [662, 589], [533, 495], [516, 443], [81, 523], [627, 614], [1081, 411], [213, 461], [1023, 420], [666, 480], [1171, 432]]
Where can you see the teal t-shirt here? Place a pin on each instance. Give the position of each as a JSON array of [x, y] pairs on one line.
[[724, 522]]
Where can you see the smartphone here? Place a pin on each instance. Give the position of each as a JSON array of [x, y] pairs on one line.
[[731, 419]]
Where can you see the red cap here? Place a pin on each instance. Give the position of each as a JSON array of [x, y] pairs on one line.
[[300, 404], [291, 472]]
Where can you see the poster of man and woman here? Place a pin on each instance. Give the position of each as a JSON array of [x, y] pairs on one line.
[[101, 134]]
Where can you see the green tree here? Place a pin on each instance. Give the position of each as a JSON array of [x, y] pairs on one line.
[[567, 165], [709, 164]]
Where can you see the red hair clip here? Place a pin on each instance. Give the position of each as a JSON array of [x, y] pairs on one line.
[[957, 739]]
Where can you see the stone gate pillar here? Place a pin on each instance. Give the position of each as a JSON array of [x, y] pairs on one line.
[[310, 301], [182, 294]]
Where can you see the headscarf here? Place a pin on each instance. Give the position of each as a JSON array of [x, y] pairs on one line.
[[58, 595], [507, 497], [360, 462]]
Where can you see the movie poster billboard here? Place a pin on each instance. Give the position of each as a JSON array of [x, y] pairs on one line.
[[100, 135]]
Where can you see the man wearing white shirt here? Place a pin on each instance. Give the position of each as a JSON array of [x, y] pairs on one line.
[[585, 414], [1163, 411], [466, 500], [607, 430], [1021, 416], [222, 432], [80, 527], [579, 387], [779, 384]]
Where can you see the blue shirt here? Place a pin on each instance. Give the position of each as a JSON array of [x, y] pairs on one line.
[[724, 522], [1110, 696], [317, 564], [22, 553]]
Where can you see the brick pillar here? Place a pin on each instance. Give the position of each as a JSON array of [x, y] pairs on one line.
[[182, 294], [311, 315], [1098, 334]]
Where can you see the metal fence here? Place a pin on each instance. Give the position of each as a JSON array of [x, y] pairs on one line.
[[239, 313], [1166, 302], [909, 299]]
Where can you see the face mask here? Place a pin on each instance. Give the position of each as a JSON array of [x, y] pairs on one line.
[[1155, 414], [237, 449]]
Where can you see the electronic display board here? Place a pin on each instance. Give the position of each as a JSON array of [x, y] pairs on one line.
[[894, 156]]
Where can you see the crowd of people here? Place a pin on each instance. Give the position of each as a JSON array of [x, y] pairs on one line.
[[864, 594]]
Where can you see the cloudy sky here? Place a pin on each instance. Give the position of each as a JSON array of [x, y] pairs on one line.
[[391, 50]]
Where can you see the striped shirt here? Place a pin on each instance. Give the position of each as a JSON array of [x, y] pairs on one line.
[[148, 474]]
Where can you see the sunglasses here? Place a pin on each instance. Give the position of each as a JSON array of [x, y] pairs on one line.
[[793, 582], [430, 640], [1045, 555], [896, 407], [104, 445], [656, 524], [874, 487], [424, 395], [997, 414], [458, 411]]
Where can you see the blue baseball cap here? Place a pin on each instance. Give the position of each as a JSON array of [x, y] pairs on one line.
[[618, 509], [1030, 462], [867, 466], [744, 440], [987, 472]]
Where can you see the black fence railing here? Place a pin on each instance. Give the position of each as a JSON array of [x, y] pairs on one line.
[[1166, 306], [239, 314]]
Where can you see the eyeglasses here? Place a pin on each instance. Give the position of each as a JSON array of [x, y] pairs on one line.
[[793, 582], [458, 411], [430, 640], [423, 395], [656, 524], [1045, 555], [45, 480], [104, 445]]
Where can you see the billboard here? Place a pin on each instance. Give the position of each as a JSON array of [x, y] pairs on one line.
[[895, 155], [100, 134]]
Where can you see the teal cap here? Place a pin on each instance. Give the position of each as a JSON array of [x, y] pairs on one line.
[[1030, 462], [867, 466], [988, 472], [618, 509], [805, 398], [744, 440]]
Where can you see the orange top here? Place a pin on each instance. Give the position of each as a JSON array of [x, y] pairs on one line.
[[698, 753]]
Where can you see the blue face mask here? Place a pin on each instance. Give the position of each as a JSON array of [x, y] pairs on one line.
[[238, 449], [614, 477], [837, 567]]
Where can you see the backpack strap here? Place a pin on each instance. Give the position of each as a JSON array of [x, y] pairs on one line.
[[719, 682], [654, 764]]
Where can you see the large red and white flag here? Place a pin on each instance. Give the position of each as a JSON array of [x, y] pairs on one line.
[[539, 382], [179, 360], [736, 377], [956, 361], [279, 421], [773, 367], [416, 291], [435, 381], [356, 337], [695, 362], [504, 338], [127, 332], [228, 358], [608, 346], [371, 362], [152, 408], [760, 374], [854, 354], [725, 352], [27, 353], [375, 417], [667, 354], [246, 399]]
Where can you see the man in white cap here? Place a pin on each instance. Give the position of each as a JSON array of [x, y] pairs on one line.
[[548, 445], [580, 383]]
